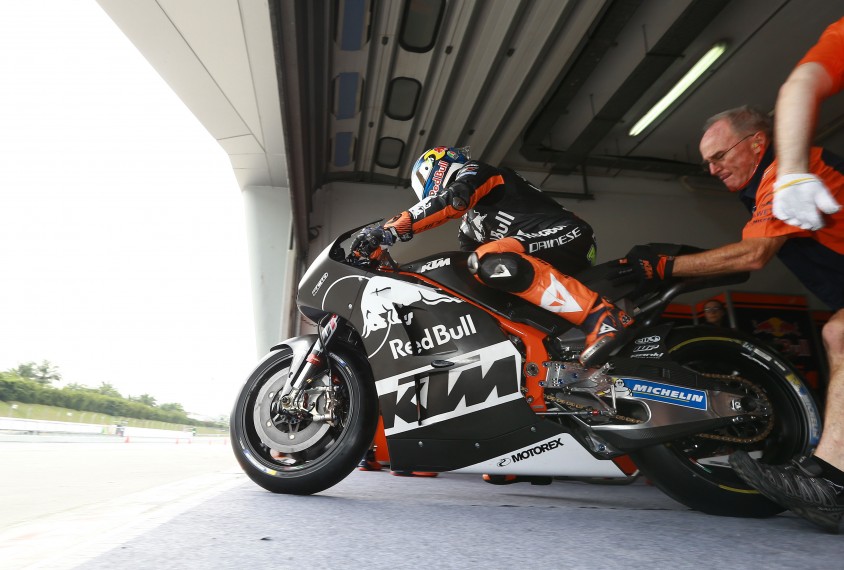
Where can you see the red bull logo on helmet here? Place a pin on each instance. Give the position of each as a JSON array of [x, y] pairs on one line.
[[437, 178]]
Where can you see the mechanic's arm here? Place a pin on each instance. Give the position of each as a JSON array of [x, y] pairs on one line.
[[746, 255], [796, 112], [800, 197]]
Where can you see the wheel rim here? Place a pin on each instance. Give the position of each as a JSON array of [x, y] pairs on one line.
[[786, 427], [267, 441]]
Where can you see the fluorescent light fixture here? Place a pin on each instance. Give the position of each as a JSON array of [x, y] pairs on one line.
[[687, 81]]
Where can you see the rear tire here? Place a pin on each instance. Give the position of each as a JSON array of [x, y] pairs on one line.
[[694, 470], [328, 452]]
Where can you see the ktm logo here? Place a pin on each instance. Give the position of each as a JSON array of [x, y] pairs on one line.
[[488, 378], [435, 264]]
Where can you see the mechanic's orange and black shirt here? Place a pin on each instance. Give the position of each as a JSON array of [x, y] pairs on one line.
[[816, 258]]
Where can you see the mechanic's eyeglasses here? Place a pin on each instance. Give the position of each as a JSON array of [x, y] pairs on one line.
[[719, 156], [712, 310]]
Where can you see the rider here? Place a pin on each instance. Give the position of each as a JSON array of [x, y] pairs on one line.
[[523, 242]]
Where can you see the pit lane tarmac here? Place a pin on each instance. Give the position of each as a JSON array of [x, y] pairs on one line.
[[193, 508]]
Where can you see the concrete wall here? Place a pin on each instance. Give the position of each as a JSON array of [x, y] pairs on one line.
[[653, 211], [272, 262]]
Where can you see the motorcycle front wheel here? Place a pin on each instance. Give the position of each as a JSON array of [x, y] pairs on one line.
[[695, 470], [308, 453]]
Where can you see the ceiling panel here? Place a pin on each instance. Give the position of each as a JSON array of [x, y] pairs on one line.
[[553, 87]]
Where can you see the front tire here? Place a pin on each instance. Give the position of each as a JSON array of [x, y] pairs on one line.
[[694, 470], [325, 452]]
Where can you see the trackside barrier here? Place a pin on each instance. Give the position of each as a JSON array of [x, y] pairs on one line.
[[141, 434], [46, 426], [129, 434]]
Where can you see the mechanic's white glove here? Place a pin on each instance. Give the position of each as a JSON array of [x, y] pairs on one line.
[[799, 200]]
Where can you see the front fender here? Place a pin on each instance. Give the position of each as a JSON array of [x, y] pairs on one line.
[[295, 343], [300, 346]]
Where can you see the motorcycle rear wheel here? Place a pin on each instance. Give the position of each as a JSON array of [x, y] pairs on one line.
[[329, 453], [694, 470]]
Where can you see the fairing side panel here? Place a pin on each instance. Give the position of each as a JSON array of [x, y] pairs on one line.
[[446, 419], [330, 286], [406, 324], [557, 455], [426, 396]]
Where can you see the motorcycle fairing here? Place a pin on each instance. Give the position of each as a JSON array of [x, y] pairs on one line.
[[547, 457], [440, 448], [406, 324], [428, 395], [649, 343], [441, 419], [329, 284]]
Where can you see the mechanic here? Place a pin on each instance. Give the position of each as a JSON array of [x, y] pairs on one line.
[[810, 486], [737, 148]]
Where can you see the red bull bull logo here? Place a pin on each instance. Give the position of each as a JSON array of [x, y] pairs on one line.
[[776, 327], [382, 295]]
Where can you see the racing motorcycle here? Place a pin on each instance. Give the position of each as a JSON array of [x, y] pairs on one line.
[[469, 379]]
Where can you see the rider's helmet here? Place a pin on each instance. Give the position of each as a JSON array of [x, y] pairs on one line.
[[432, 171]]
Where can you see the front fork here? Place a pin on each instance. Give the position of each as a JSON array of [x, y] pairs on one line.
[[310, 366]]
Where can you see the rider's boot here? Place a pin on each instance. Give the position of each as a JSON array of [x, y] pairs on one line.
[[369, 463], [414, 473], [510, 479], [607, 327]]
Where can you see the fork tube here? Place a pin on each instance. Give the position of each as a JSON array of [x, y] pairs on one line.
[[312, 363]]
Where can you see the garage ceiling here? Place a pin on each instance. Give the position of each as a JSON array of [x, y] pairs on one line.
[[547, 87], [300, 93]]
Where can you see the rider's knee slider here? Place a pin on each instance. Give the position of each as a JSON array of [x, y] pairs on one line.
[[506, 271]]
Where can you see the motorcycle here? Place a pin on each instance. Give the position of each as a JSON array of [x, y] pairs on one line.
[[469, 379]]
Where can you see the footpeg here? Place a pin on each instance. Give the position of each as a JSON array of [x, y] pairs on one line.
[[562, 374]]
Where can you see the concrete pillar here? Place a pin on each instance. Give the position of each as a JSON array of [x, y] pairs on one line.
[[272, 263]]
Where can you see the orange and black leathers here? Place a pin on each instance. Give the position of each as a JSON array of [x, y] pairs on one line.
[[526, 243]]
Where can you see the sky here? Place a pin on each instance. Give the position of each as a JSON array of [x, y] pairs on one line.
[[122, 244]]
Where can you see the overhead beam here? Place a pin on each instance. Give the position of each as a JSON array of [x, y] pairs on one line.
[[598, 40], [299, 34], [697, 16], [670, 47]]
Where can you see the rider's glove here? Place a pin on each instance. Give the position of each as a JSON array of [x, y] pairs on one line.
[[400, 226], [643, 265], [370, 243], [799, 200]]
